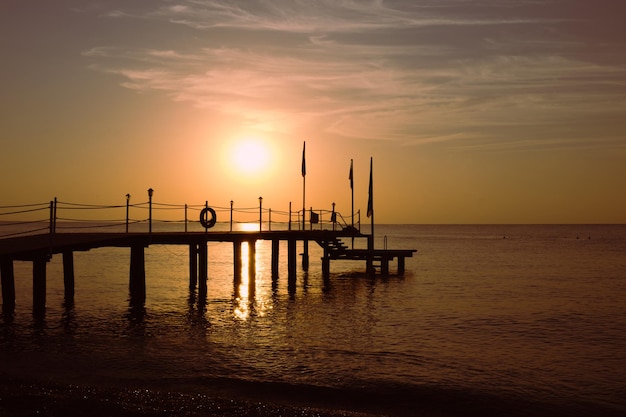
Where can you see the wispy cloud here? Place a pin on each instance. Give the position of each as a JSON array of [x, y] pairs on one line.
[[424, 73], [329, 15]]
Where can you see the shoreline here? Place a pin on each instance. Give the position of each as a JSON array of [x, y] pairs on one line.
[[20, 398], [230, 398]]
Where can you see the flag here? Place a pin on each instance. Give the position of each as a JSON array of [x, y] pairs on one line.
[[370, 198], [303, 160], [351, 177]]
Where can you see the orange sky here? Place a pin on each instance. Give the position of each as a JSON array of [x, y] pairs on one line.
[[500, 111]]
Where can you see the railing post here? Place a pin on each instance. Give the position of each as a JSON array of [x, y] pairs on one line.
[[54, 227], [150, 192], [127, 210], [260, 214], [185, 218], [270, 220], [52, 223], [51, 218], [289, 227], [231, 215]]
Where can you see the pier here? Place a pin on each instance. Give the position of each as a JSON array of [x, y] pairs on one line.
[[40, 244]]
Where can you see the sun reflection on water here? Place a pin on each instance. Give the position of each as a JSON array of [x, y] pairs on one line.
[[252, 297], [242, 287]]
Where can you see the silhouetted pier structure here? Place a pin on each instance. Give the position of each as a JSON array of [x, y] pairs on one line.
[[38, 248]]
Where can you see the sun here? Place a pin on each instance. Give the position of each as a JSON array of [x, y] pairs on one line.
[[249, 160], [250, 156]]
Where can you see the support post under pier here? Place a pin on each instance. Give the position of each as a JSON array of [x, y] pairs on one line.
[[400, 265], [203, 265], [305, 255], [8, 286], [39, 285], [251, 268], [137, 284], [325, 266], [291, 262], [193, 266], [68, 276], [275, 253], [384, 265], [369, 268], [237, 263]]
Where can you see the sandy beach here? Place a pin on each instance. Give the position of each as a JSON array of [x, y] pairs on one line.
[[22, 399]]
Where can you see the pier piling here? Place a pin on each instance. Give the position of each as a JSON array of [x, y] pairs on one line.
[[251, 259], [237, 262], [8, 286], [68, 275], [384, 266], [137, 285], [291, 261], [305, 255], [275, 255], [39, 284], [203, 265], [401, 265], [251, 268], [193, 266], [325, 266]]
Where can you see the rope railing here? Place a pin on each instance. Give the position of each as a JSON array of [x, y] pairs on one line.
[[22, 219], [79, 206]]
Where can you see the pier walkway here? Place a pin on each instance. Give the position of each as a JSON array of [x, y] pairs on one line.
[[38, 248]]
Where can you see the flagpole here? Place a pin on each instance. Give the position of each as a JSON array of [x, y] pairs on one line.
[[305, 243], [352, 190], [371, 198], [370, 213], [303, 185]]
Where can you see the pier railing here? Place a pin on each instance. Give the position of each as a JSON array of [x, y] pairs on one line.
[[60, 216]]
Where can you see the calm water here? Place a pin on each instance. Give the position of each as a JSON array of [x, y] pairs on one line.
[[534, 314]]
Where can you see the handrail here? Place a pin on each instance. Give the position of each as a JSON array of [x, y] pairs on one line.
[[15, 219]]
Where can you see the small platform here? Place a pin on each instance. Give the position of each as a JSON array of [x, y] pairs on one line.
[[336, 249], [381, 256]]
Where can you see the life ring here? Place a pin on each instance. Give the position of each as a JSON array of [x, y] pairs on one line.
[[205, 221]]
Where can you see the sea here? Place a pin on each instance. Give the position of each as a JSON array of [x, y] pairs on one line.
[[486, 320]]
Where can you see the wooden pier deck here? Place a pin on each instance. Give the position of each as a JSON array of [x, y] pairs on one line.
[[27, 248], [39, 248]]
